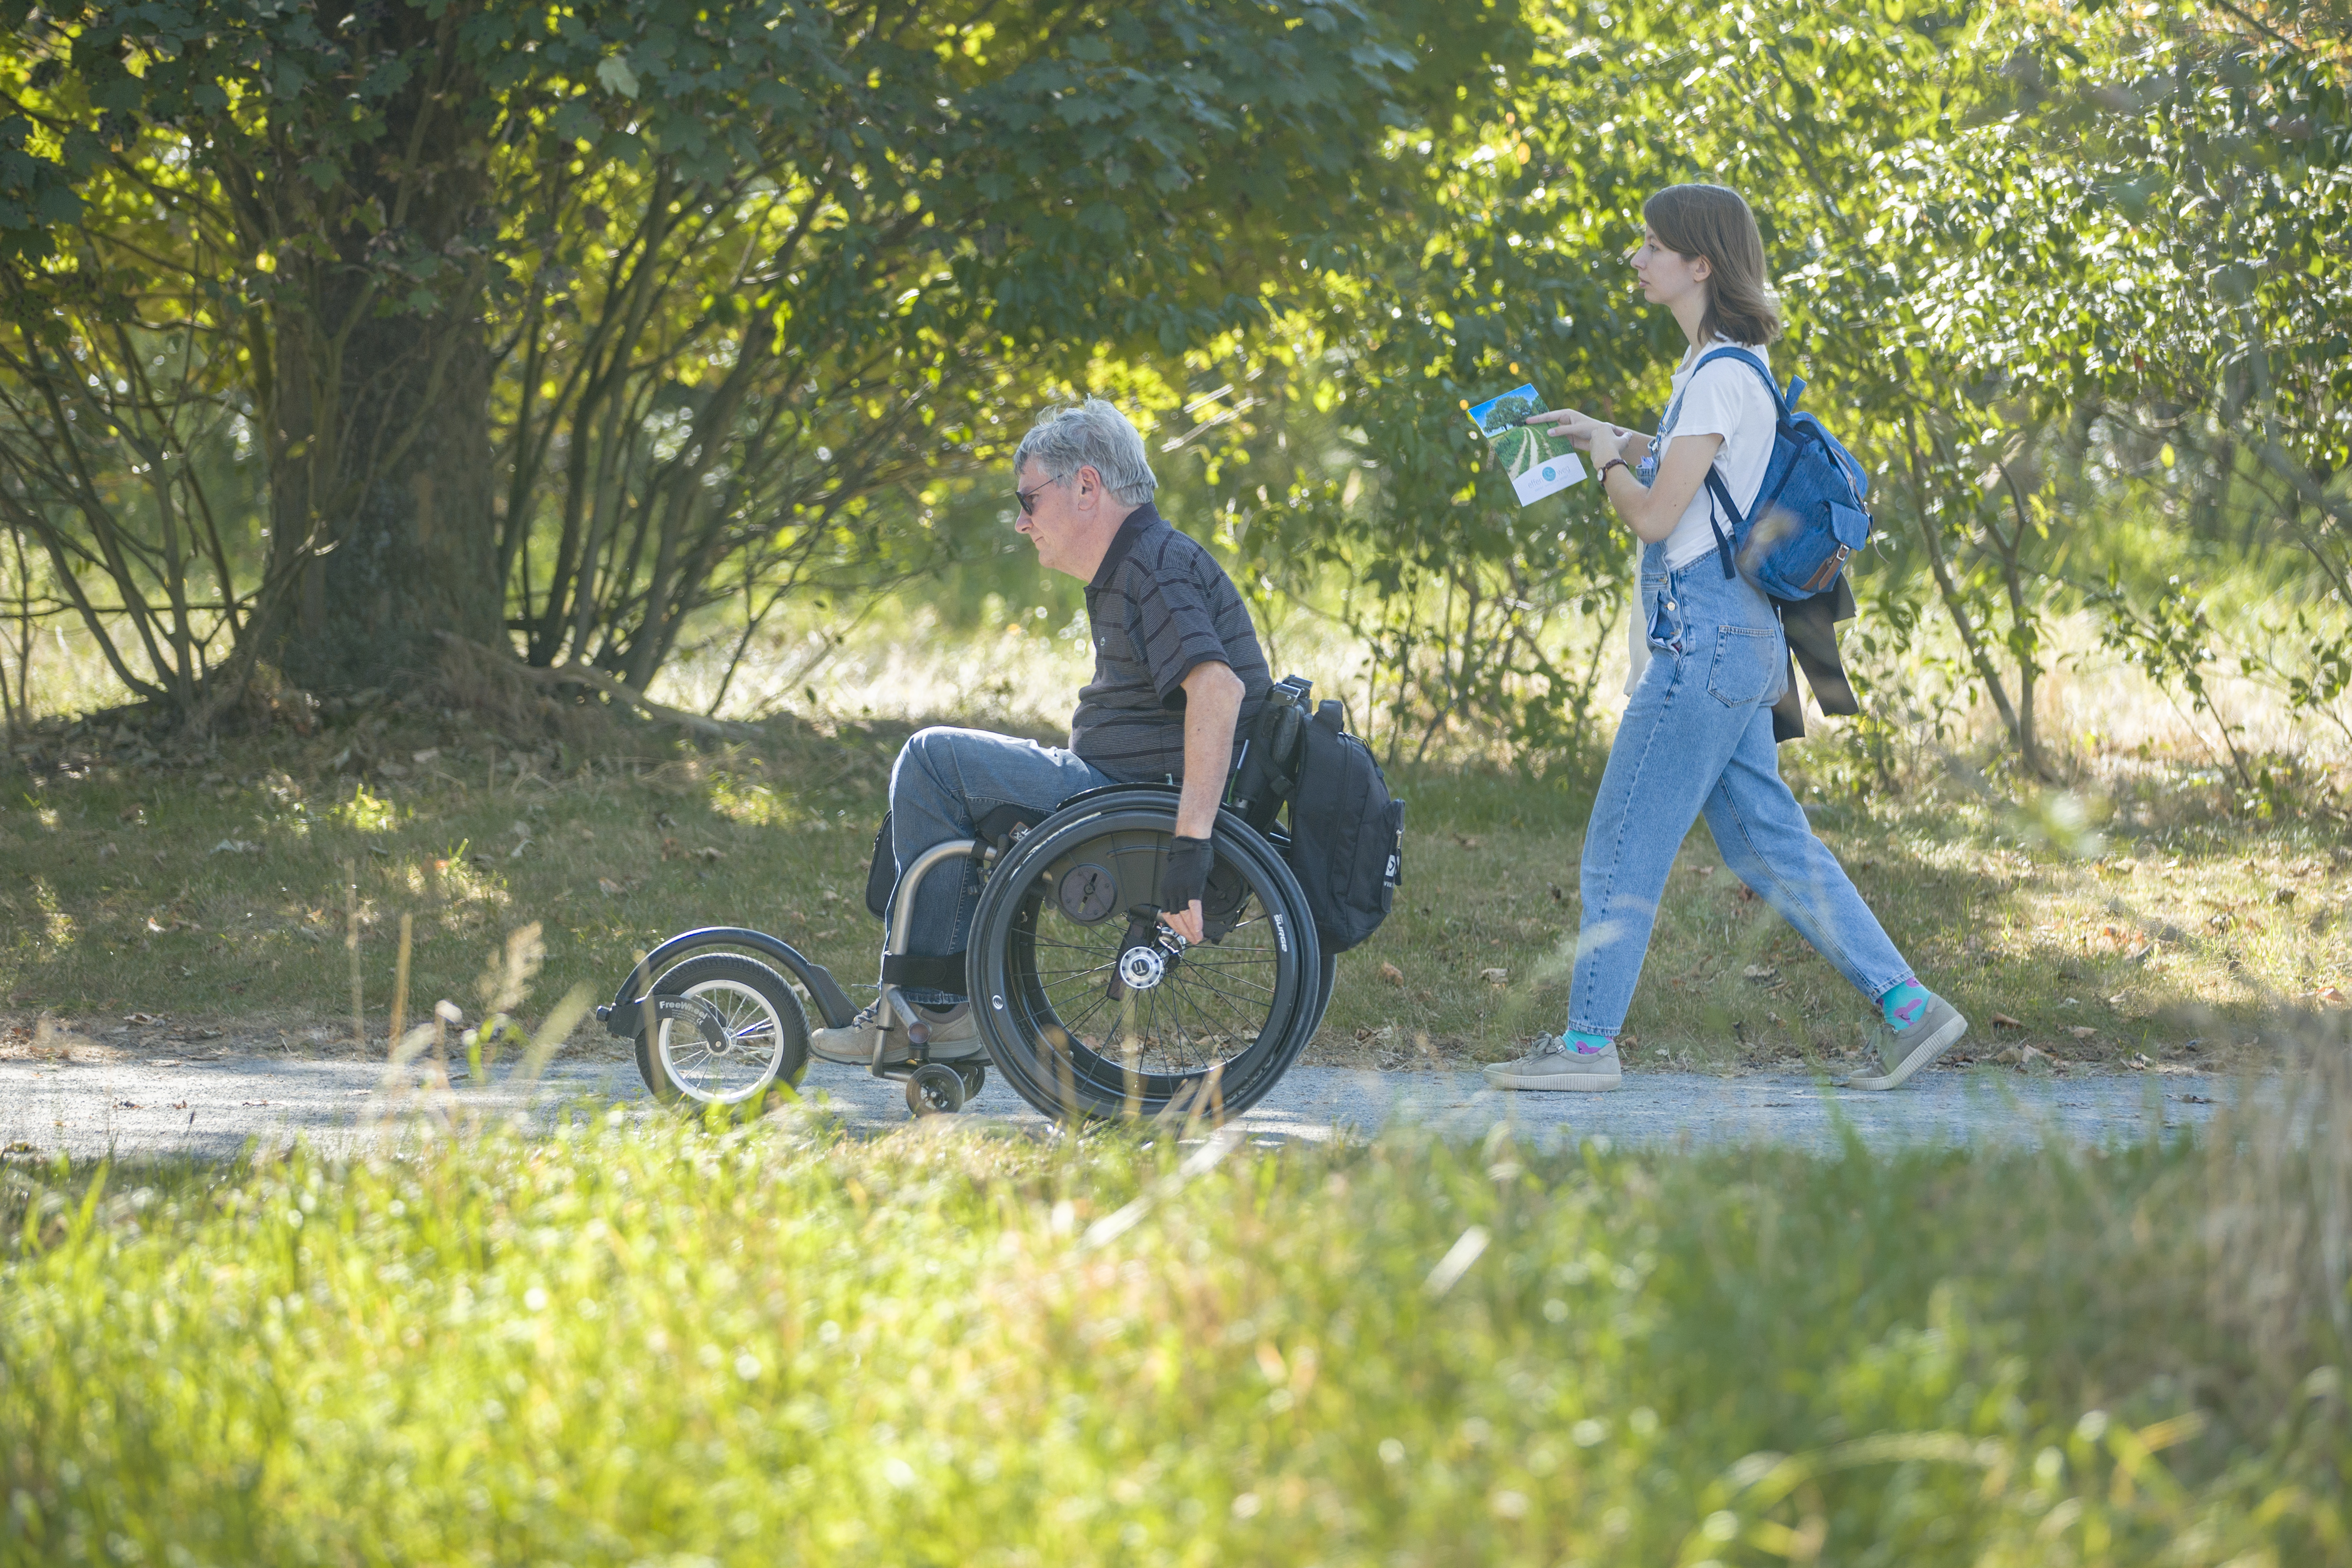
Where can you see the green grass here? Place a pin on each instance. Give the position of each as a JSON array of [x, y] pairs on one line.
[[117, 894], [668, 1344]]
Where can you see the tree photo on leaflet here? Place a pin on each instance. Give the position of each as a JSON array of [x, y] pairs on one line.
[[568, 325]]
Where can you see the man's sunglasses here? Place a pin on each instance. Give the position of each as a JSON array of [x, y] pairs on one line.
[[1028, 499]]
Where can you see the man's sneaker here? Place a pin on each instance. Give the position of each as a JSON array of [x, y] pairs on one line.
[[854, 1041], [1553, 1063], [1892, 1056], [954, 1033]]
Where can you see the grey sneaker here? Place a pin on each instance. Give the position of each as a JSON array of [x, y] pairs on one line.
[[1553, 1065], [1892, 1056], [854, 1041], [954, 1033]]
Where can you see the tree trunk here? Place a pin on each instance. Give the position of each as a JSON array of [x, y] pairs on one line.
[[381, 461]]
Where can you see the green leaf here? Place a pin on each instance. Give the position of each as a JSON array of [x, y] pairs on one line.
[[614, 73]]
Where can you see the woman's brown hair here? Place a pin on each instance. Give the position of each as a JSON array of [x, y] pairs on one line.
[[1713, 221]]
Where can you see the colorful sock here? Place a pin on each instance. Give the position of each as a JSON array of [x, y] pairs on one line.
[[1904, 1006], [1586, 1045]]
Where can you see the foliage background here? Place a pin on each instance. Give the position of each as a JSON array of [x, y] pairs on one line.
[[748, 305]]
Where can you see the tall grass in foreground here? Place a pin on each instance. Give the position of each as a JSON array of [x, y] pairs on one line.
[[666, 1343]]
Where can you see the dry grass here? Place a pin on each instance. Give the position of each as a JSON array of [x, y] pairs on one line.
[[2148, 910]]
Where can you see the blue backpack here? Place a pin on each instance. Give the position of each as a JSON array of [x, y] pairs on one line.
[[1809, 514]]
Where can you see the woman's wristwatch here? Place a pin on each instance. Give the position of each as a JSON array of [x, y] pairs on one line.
[[1613, 463]]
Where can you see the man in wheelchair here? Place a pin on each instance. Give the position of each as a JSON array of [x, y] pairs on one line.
[[1178, 673]]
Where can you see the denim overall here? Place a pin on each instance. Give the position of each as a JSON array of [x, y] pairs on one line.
[[1697, 739]]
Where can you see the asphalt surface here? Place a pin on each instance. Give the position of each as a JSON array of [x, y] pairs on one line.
[[214, 1109]]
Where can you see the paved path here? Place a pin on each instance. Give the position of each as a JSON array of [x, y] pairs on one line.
[[213, 1107]]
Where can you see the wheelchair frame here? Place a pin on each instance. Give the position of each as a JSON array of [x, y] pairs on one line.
[[933, 1085]]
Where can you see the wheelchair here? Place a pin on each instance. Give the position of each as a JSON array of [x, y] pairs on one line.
[[1084, 1002]]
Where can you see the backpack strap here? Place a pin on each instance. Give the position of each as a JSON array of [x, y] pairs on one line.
[[1717, 491], [1779, 403]]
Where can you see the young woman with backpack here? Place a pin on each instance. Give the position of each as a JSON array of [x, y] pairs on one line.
[[1698, 734]]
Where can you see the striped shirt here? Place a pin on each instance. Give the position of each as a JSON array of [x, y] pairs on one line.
[[1158, 606]]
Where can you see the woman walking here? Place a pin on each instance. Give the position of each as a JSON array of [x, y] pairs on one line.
[[1697, 736]]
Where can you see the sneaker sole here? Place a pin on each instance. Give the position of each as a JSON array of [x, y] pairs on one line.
[[1922, 1055], [1578, 1083]]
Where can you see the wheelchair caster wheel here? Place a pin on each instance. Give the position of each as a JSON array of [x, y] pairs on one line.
[[974, 1074], [934, 1089]]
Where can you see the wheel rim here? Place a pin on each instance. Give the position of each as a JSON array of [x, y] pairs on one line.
[[932, 1096], [1227, 1007], [748, 1063]]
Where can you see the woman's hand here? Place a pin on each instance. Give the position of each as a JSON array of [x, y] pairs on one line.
[[1583, 432]]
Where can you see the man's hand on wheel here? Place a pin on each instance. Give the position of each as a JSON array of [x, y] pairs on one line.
[[1185, 922], [1182, 880]]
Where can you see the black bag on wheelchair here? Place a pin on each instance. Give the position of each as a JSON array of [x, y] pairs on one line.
[[1346, 832]]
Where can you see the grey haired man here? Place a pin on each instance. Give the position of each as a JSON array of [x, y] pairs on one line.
[[1178, 672]]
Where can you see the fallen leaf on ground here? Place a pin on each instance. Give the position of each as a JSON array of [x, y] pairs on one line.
[[106, 851], [1392, 974], [129, 1105], [2081, 1031], [2003, 1020], [235, 846], [142, 1017], [608, 887], [708, 853], [1494, 976], [1761, 974], [166, 1062]]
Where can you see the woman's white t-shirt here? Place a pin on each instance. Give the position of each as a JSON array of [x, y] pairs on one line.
[[1727, 399]]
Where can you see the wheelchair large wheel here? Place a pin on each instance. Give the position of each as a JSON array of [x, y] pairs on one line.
[[766, 1034], [1087, 1011]]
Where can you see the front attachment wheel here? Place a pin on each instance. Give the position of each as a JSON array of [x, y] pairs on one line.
[[752, 1034], [935, 1089], [1089, 1008]]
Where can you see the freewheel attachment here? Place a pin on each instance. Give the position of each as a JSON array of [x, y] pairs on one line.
[[707, 1020]]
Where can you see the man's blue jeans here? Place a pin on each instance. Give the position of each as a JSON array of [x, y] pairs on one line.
[[1698, 738], [943, 782]]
